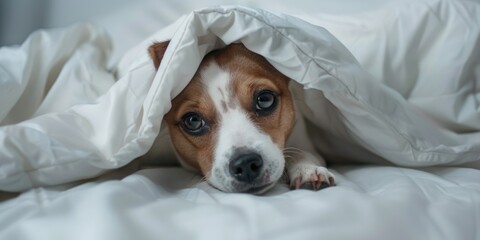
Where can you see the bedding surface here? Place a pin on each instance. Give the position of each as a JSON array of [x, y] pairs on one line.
[[370, 202], [403, 91]]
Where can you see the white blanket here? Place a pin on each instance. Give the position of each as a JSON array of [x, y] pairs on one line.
[[369, 203], [65, 119]]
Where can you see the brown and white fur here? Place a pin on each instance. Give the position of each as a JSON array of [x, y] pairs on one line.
[[235, 122]]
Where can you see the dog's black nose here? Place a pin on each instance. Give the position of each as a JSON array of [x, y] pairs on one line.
[[246, 167]]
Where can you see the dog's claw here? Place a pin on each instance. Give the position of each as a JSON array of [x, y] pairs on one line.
[[308, 185], [331, 181], [298, 182]]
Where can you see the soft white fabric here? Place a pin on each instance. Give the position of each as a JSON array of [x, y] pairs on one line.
[[50, 73], [352, 117], [369, 203]]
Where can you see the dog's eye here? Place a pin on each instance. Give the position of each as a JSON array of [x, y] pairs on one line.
[[265, 102], [194, 124]]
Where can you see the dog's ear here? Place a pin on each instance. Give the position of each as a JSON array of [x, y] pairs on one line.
[[156, 51]]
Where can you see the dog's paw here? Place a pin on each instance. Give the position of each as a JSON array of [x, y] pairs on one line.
[[310, 177]]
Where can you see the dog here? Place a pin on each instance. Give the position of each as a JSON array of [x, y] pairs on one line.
[[236, 123]]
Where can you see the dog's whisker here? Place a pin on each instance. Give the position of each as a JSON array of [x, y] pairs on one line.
[[292, 148], [194, 182], [293, 152], [204, 178]]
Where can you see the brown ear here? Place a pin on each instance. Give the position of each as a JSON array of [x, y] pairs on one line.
[[156, 51]]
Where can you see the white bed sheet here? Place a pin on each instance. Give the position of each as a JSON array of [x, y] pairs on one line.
[[370, 202]]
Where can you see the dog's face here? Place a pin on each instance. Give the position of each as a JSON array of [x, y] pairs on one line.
[[232, 120]]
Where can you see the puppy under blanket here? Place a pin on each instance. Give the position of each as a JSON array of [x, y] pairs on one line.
[[64, 118]]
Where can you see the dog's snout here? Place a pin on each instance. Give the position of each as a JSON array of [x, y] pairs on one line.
[[246, 167]]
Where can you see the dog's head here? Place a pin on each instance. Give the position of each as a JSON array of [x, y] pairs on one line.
[[232, 120]]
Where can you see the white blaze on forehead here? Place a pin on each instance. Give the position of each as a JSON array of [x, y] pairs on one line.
[[218, 84]]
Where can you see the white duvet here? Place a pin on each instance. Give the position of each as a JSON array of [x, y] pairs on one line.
[[410, 96]]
